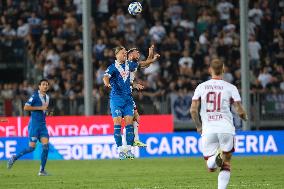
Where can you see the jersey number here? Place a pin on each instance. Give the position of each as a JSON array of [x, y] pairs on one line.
[[214, 99]]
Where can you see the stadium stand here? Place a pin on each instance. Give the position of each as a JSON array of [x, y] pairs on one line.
[[43, 38]]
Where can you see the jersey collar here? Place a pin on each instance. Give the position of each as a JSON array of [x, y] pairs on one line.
[[217, 78]]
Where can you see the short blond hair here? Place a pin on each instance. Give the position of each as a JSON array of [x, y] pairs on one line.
[[117, 49], [217, 66]]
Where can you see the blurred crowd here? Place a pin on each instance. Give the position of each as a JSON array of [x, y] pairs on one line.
[[186, 33]]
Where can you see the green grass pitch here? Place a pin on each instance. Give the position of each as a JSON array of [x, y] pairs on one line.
[[173, 173]]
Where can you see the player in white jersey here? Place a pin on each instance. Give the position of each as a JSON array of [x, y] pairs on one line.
[[216, 126]]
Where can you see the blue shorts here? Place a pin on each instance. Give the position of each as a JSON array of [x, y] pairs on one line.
[[37, 131], [121, 107]]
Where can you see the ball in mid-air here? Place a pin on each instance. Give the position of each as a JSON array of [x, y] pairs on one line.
[[135, 8]]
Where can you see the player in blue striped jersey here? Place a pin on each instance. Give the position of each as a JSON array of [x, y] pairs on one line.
[[117, 77], [38, 105]]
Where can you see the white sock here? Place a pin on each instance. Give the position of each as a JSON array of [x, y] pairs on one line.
[[211, 163], [136, 135], [124, 143], [223, 179], [128, 147], [120, 149]]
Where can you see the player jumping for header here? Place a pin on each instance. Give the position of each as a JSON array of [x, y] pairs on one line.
[[134, 55], [217, 129], [117, 77]]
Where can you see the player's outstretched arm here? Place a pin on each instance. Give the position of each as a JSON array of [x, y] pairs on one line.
[[151, 52], [240, 110], [106, 81], [194, 114], [148, 62]]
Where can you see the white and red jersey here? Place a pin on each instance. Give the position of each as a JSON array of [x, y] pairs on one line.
[[216, 97]]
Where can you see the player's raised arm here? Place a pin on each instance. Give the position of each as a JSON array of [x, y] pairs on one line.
[[151, 52], [148, 62], [195, 116], [240, 110]]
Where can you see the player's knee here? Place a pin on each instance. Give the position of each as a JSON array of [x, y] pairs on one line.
[[211, 165], [117, 120], [227, 156], [32, 144]]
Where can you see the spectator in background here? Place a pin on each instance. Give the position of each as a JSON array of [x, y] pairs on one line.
[[7, 37], [224, 7], [157, 32], [282, 84], [185, 63], [254, 48], [228, 76], [23, 29], [256, 14], [175, 12], [35, 24], [210, 29], [79, 9], [265, 77]]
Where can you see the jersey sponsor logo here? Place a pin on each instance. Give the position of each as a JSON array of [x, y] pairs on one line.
[[118, 112], [92, 147]]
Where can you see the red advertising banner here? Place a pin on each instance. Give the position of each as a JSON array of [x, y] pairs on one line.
[[84, 125]]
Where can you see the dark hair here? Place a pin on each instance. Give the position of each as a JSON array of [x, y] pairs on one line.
[[132, 50], [43, 80]]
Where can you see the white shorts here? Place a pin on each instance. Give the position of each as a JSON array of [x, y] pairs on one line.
[[212, 142]]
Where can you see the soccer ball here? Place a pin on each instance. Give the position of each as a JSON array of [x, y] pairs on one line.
[[135, 8]]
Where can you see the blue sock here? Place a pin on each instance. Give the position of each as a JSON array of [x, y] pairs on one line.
[[25, 151], [44, 155], [117, 135], [129, 134]]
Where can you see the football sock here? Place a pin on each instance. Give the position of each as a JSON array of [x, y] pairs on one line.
[[117, 135], [129, 134], [44, 155], [124, 137], [224, 176], [25, 151], [136, 135]]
